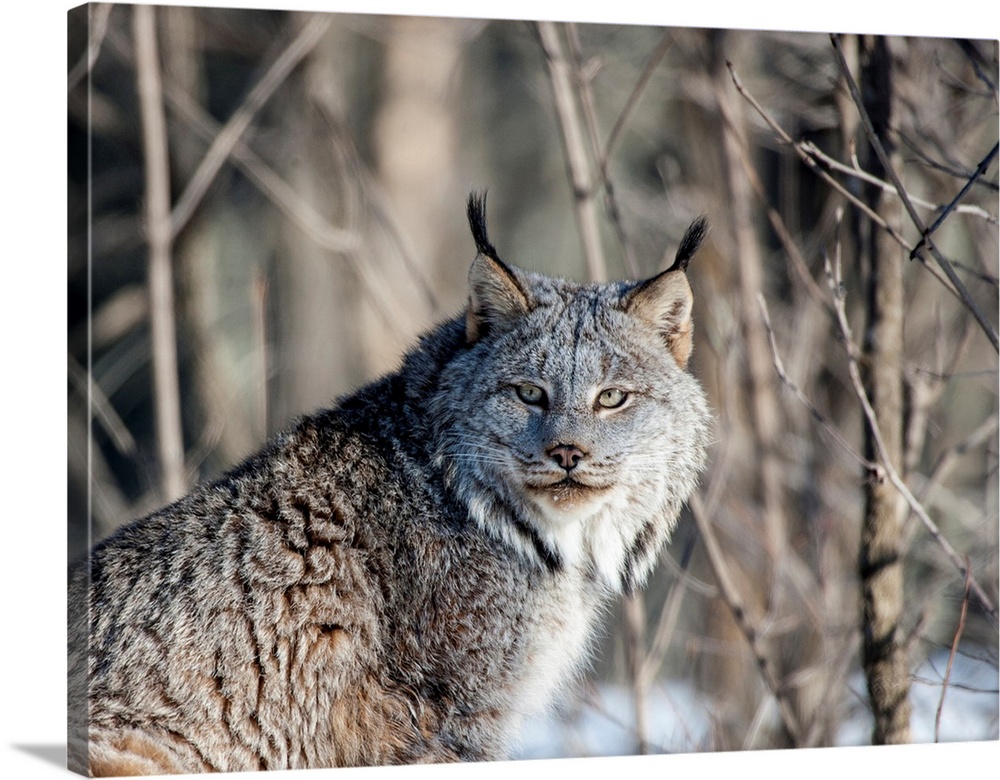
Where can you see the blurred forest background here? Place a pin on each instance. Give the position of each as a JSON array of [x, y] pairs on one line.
[[266, 209]]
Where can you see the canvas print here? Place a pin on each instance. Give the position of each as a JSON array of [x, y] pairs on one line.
[[463, 390]]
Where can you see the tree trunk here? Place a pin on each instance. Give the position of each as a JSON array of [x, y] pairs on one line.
[[881, 566]]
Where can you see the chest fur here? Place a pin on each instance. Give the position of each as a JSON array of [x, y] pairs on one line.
[[558, 644], [492, 639]]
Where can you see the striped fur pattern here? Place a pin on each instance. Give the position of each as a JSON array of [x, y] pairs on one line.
[[408, 575]]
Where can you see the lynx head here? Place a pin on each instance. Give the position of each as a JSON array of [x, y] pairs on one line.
[[569, 425]]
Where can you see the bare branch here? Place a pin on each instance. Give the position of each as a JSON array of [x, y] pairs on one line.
[[954, 649], [876, 143], [833, 276], [633, 607], [809, 161], [777, 222], [813, 165], [855, 170], [947, 459], [575, 149], [160, 238], [666, 41], [978, 61], [926, 388], [259, 291], [881, 469], [949, 168], [294, 207], [587, 105], [101, 408], [227, 138], [301, 213], [761, 392], [953, 206], [667, 621], [95, 39], [804, 399], [739, 612]]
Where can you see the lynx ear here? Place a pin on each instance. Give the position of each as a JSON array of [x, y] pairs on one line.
[[665, 301], [496, 295]]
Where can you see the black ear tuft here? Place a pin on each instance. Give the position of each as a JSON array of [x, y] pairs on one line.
[[477, 221], [693, 237], [497, 293]]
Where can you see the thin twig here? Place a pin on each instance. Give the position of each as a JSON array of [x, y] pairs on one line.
[[734, 601], [102, 409], [583, 79], [804, 399], [593, 700], [777, 222], [633, 607], [700, 587], [756, 724], [954, 649], [883, 468], [876, 143], [667, 621], [765, 415], [856, 171], [259, 292], [978, 62], [927, 387], [949, 168], [809, 161], [341, 241], [575, 149], [813, 165], [604, 155], [953, 206], [160, 238], [666, 41], [225, 141], [947, 459], [836, 667], [97, 28], [298, 210], [372, 195]]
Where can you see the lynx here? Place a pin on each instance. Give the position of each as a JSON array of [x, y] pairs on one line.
[[407, 576]]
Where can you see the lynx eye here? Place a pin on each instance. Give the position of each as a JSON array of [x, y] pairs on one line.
[[612, 398], [531, 394]]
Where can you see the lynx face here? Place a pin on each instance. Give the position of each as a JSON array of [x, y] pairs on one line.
[[569, 426]]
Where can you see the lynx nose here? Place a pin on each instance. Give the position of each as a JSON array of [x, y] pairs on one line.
[[566, 455]]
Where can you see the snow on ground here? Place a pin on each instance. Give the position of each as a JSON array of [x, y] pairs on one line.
[[680, 717]]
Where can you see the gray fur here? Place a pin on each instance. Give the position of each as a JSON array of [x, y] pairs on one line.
[[399, 579]]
